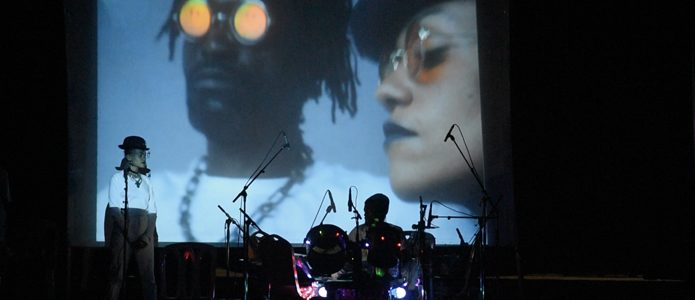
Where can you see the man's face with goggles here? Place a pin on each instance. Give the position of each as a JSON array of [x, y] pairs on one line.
[[235, 62]]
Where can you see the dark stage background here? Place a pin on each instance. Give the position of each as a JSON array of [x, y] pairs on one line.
[[602, 138]]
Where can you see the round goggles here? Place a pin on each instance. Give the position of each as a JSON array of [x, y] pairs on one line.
[[410, 57], [247, 22], [424, 55]]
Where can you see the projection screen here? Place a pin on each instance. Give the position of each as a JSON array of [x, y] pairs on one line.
[[220, 104]]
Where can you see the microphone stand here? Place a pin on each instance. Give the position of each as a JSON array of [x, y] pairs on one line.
[[477, 243], [357, 268], [481, 234], [328, 210], [126, 168], [247, 219], [252, 223], [226, 227], [422, 258]]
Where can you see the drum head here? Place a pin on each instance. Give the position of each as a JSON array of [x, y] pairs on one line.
[[326, 246]]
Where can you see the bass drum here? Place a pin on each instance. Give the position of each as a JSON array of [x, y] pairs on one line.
[[254, 251], [413, 268], [412, 279], [326, 248]]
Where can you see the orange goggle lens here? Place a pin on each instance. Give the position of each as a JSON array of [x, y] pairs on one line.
[[250, 22], [195, 17]]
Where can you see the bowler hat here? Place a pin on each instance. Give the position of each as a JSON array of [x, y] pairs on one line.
[[133, 142]]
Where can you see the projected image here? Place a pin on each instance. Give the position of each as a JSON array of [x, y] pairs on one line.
[[428, 81], [330, 107]]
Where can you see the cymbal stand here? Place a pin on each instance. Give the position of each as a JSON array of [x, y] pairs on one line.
[[252, 223], [247, 219], [357, 267], [229, 220], [423, 257], [477, 247]]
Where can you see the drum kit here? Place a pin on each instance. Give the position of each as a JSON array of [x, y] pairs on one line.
[[384, 265], [381, 261]]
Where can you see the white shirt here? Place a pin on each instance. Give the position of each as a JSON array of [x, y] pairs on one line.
[[140, 195]]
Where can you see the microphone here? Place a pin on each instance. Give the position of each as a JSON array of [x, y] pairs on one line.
[[350, 200], [125, 165], [448, 134], [330, 196], [429, 219], [145, 170], [287, 143]]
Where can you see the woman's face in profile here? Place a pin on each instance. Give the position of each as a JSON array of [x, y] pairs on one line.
[[426, 87]]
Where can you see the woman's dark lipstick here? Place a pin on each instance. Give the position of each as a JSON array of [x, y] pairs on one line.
[[393, 132]]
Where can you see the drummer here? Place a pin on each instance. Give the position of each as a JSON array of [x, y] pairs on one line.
[[376, 208]]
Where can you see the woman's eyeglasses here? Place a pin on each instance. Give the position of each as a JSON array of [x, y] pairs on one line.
[[140, 154], [422, 56], [247, 22]]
